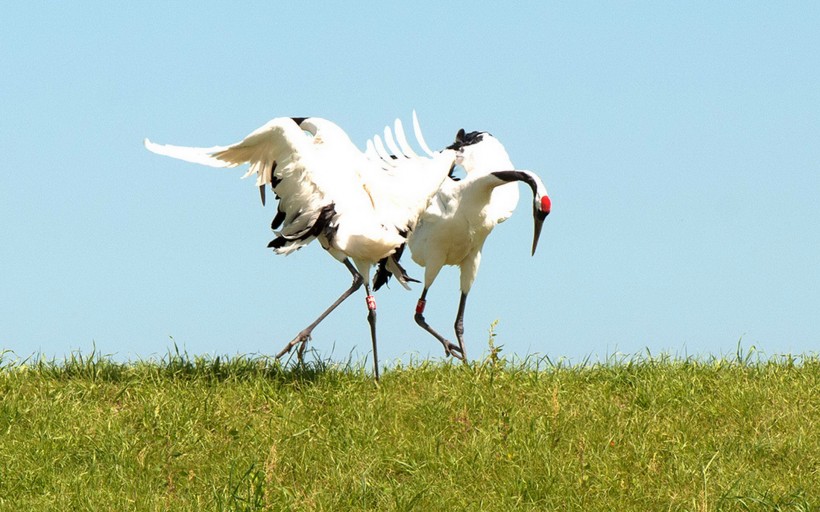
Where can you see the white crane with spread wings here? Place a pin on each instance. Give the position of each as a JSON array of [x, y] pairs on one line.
[[360, 206]]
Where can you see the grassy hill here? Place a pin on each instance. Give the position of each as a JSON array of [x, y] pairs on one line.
[[243, 433]]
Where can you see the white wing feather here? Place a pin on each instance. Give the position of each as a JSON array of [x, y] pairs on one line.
[[370, 152], [381, 151], [402, 140], [194, 155], [391, 144], [419, 136]]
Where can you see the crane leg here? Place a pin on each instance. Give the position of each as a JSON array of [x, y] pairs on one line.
[[371, 319], [304, 335], [459, 326], [449, 348]]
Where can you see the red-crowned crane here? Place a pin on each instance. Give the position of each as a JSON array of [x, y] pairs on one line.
[[360, 207], [462, 214]]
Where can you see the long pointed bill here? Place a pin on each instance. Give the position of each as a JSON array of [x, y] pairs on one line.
[[539, 223]]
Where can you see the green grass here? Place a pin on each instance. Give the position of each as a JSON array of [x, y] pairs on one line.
[[244, 433]]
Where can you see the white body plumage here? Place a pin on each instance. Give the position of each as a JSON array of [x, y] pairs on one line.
[[453, 229]]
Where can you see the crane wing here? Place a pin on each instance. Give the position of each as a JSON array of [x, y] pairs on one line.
[[320, 177], [281, 155], [278, 140]]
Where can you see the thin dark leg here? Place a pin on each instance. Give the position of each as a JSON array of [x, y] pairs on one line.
[[304, 335], [449, 348], [371, 319], [460, 326]]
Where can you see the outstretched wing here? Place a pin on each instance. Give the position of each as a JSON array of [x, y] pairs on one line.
[[282, 155], [279, 140], [320, 177]]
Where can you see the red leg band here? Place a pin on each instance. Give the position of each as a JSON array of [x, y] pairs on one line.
[[371, 302], [420, 306]]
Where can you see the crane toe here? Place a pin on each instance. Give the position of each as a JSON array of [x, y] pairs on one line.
[[454, 350], [301, 338]]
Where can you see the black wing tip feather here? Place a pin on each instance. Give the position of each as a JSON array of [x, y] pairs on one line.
[[383, 275], [278, 242], [320, 225], [278, 219], [452, 173]]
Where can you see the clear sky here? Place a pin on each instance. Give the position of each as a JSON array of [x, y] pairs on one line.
[[680, 143]]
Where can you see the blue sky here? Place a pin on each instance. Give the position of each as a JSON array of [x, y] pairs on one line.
[[680, 144]]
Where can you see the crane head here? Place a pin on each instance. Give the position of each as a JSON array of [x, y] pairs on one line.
[[541, 208]]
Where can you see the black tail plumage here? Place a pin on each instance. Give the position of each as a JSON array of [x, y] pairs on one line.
[[383, 274], [322, 224]]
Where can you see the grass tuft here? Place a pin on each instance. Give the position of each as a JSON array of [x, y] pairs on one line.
[[184, 432]]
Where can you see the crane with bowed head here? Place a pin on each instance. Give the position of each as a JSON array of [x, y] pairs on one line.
[[460, 217]]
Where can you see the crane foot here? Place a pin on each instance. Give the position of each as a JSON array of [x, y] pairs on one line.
[[301, 339]]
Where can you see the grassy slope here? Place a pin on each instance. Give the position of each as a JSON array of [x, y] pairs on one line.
[[243, 434]]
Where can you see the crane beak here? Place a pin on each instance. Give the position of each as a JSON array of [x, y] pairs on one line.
[[538, 220]]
